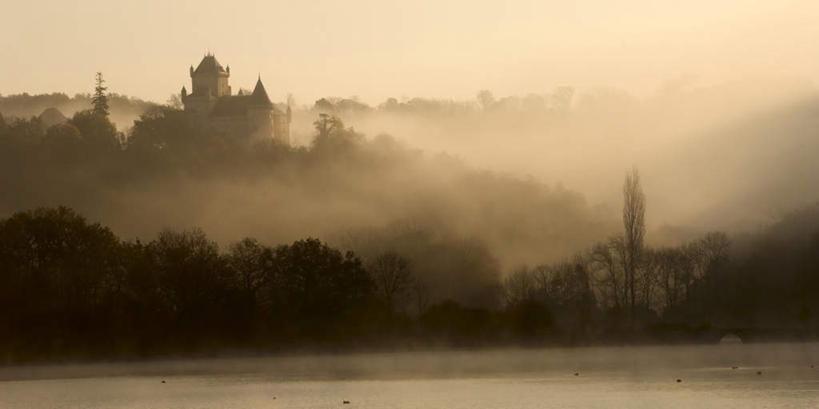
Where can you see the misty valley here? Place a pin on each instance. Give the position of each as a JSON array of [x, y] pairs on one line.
[[171, 239], [257, 241]]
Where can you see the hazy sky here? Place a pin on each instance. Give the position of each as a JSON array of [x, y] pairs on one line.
[[376, 49]]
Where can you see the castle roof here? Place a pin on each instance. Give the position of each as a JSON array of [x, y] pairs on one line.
[[237, 105], [259, 95], [209, 65]]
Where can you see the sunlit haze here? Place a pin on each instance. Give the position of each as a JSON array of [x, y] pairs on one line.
[[379, 49], [370, 204]]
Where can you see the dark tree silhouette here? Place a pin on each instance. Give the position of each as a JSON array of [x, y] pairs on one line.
[[392, 276], [98, 132], [252, 266], [163, 128], [59, 276], [634, 231], [191, 277], [321, 287], [100, 99]]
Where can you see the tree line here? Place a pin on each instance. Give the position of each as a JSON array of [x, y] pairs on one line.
[[72, 288], [696, 291]]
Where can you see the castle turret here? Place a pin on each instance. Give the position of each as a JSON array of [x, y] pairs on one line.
[[260, 111], [209, 78], [259, 95]]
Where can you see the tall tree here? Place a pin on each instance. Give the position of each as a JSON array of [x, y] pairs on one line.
[[634, 208], [100, 100]]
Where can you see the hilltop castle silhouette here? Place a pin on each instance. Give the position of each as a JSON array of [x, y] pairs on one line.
[[211, 105]]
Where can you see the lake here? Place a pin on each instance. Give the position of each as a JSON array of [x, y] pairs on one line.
[[766, 376]]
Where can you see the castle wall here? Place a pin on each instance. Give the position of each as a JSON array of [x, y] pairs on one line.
[[216, 85], [199, 106]]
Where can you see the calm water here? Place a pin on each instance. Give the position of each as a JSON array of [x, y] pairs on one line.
[[633, 377]]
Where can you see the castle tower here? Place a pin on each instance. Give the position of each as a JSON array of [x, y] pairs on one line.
[[209, 81], [260, 112], [209, 78]]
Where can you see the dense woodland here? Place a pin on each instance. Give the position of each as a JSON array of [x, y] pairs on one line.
[[72, 288]]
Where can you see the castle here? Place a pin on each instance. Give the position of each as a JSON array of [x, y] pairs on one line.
[[212, 106]]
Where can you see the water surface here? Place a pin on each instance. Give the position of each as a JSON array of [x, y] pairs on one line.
[[766, 376]]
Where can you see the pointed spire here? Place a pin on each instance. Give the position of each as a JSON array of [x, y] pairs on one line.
[[260, 94]]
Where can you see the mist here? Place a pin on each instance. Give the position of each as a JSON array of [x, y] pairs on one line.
[[535, 177], [733, 156], [499, 204], [355, 191]]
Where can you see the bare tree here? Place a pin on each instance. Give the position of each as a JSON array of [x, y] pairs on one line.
[[650, 278], [542, 276], [713, 251], [634, 208], [519, 286], [392, 277], [667, 265], [710, 253], [690, 254], [606, 262]]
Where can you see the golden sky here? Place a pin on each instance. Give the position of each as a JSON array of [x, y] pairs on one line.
[[377, 49]]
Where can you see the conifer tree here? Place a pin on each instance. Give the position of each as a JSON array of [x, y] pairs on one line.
[[100, 100]]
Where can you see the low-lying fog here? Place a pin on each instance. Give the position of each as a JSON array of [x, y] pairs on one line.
[[730, 156], [727, 376], [535, 178]]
